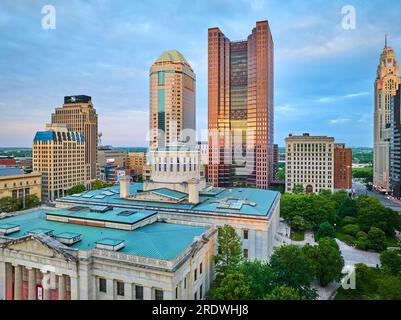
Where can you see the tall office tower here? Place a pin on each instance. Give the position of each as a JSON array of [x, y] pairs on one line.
[[59, 154], [309, 162], [79, 115], [172, 100], [276, 157], [386, 84], [395, 144], [241, 85], [342, 167]]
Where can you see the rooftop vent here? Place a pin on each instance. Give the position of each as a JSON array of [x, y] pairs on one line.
[[48, 232], [126, 213], [77, 208], [7, 228], [68, 238], [101, 209], [110, 244]]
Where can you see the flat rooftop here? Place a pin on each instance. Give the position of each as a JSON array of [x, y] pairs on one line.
[[238, 201], [158, 240]]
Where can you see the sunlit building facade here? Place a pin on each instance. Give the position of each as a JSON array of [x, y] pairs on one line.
[[241, 111]]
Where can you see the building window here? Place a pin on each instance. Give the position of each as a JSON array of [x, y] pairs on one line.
[[196, 274], [138, 292], [158, 294], [200, 268], [185, 282], [246, 234], [102, 285], [176, 293], [246, 253], [120, 288]]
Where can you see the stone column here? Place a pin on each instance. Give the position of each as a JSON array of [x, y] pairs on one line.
[[17, 282], [3, 280], [32, 284], [46, 284], [147, 293], [74, 288], [61, 287], [110, 289], [128, 291]]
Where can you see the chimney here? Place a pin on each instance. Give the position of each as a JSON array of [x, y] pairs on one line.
[[125, 182], [193, 192]]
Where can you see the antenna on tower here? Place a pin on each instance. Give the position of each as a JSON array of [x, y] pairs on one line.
[[385, 40]]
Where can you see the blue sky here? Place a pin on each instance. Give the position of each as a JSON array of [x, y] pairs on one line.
[[324, 74]]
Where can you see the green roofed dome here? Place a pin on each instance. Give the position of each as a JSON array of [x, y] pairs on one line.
[[172, 55]]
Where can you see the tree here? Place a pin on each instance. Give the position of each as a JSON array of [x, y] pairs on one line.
[[259, 277], [389, 288], [327, 260], [99, 184], [361, 241], [234, 286], [371, 213], [351, 229], [391, 261], [326, 230], [300, 224], [76, 189], [376, 239], [285, 293], [230, 251], [291, 267], [31, 201], [349, 220], [298, 189], [9, 204], [347, 207]]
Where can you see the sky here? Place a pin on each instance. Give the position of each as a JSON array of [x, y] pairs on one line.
[[324, 73]]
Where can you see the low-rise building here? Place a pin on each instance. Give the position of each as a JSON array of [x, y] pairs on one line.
[[100, 252], [342, 167], [15, 183]]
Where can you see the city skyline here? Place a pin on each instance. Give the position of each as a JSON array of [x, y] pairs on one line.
[[323, 82]]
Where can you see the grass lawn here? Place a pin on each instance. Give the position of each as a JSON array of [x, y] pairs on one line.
[[297, 235]]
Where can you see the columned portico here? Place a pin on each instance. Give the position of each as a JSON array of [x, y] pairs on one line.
[[31, 284]]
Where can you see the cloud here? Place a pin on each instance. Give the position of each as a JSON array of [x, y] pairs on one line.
[[331, 99], [339, 121]]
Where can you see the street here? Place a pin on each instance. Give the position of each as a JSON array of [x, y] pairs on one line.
[[388, 202]]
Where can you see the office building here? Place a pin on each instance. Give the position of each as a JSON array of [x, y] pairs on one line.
[[386, 84], [342, 167], [241, 108], [309, 162], [172, 100], [108, 155], [136, 161], [59, 154], [80, 116]]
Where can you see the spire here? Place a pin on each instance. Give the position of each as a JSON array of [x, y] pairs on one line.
[[385, 41]]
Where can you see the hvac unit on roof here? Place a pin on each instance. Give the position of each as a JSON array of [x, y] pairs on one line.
[[7, 229], [68, 238], [110, 244]]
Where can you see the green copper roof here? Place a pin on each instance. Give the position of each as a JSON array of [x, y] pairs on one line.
[[172, 55]]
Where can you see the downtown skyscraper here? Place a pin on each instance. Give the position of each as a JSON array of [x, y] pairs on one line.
[[80, 116], [172, 100], [241, 108], [386, 85]]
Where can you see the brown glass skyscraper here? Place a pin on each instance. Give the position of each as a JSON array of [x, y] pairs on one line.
[[241, 110]]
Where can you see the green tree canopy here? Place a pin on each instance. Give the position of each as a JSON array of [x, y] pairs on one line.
[[389, 288], [326, 230], [285, 293], [290, 266], [234, 286], [376, 239], [391, 261], [327, 260], [9, 204], [259, 276], [76, 189], [99, 184], [31, 201], [298, 189], [229, 251]]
